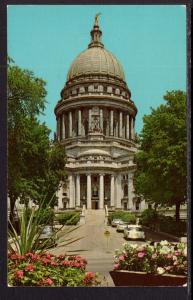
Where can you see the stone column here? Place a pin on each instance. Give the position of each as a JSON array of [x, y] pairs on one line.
[[70, 123], [58, 128], [101, 120], [89, 119], [88, 191], [118, 191], [112, 190], [120, 124], [130, 190], [127, 128], [71, 192], [78, 190], [124, 126], [79, 122], [111, 122], [63, 127], [60, 196], [101, 191], [132, 128]]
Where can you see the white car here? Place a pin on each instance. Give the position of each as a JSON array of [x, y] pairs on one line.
[[134, 232], [115, 222], [121, 226]]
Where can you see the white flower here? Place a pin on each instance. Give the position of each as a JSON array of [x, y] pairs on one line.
[[174, 257], [160, 270], [164, 250], [164, 243], [134, 246], [185, 251], [151, 247]]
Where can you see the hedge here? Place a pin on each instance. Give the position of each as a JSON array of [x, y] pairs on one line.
[[68, 218], [123, 215]]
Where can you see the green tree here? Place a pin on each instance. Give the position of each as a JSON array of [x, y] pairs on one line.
[[35, 165], [161, 161]]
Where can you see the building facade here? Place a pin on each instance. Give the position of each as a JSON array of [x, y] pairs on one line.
[[96, 124]]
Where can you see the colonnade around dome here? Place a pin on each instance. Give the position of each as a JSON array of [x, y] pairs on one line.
[[106, 122]]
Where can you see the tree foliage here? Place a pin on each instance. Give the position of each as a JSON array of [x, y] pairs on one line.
[[161, 161], [35, 165]]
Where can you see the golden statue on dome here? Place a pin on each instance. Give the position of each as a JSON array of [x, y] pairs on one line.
[[97, 19]]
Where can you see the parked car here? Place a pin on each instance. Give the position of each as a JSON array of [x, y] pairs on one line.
[[115, 222], [134, 232], [47, 237], [121, 226]]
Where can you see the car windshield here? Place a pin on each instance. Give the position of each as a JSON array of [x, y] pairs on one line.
[[135, 228], [116, 220]]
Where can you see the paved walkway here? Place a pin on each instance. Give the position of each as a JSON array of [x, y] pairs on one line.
[[94, 245]]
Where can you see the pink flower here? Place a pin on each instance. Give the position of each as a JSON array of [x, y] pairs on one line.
[[177, 253], [53, 263], [48, 281], [90, 274], [116, 266], [29, 254], [14, 256], [121, 257], [19, 274], [45, 261], [30, 268], [89, 278], [169, 256], [141, 254]]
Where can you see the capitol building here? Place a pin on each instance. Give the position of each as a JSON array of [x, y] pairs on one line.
[[96, 124]]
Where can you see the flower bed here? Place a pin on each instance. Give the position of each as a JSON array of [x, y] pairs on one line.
[[159, 258], [49, 270]]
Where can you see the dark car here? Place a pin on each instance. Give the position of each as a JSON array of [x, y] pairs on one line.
[[47, 237]]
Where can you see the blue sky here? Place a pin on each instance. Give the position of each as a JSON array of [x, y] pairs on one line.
[[148, 40]]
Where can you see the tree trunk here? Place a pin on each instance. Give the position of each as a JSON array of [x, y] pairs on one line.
[[177, 211], [12, 206]]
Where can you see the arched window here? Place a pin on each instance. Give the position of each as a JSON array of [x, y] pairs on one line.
[[100, 88], [109, 89], [125, 190], [91, 88], [117, 91], [82, 90]]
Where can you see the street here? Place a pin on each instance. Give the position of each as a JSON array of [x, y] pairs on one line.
[[96, 247]]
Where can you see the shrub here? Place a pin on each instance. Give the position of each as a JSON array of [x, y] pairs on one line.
[[49, 270], [123, 215], [68, 218], [46, 216], [169, 225], [149, 217]]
